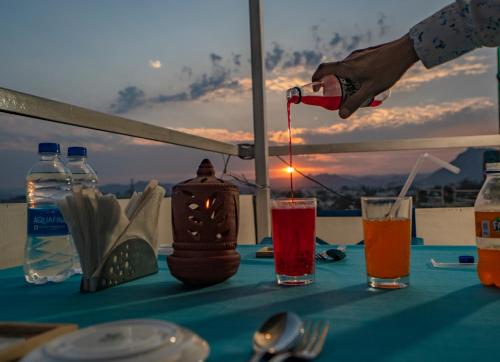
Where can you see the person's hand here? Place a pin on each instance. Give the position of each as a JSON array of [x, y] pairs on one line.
[[376, 69]]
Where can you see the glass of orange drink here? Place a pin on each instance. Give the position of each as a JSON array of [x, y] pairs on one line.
[[387, 238]]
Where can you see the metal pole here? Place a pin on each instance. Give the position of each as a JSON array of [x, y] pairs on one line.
[[262, 202], [28, 105], [489, 140]]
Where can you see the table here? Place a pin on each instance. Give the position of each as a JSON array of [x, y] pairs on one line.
[[445, 315]]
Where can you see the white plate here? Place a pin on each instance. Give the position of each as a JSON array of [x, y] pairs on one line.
[[115, 340], [192, 349]]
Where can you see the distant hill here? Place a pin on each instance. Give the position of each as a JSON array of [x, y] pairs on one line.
[[470, 163], [120, 190], [123, 189]]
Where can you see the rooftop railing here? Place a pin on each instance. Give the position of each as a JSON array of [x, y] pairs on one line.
[[28, 105]]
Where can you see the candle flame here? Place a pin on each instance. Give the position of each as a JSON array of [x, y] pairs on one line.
[[207, 204]]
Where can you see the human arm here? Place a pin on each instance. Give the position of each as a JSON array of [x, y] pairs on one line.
[[376, 69], [456, 29]]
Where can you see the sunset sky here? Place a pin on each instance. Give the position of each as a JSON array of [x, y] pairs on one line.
[[185, 65]]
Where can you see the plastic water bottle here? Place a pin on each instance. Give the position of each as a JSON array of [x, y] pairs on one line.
[[335, 91], [50, 255], [82, 174], [487, 217]]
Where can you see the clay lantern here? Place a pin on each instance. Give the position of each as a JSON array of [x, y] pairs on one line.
[[205, 213]]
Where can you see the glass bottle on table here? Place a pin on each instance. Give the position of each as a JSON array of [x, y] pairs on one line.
[[487, 220]]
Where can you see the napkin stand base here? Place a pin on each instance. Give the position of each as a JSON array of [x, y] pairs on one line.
[[132, 259]]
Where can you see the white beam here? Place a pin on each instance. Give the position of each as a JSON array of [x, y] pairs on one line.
[[259, 123]]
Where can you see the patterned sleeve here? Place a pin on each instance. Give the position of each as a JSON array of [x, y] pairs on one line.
[[457, 29]]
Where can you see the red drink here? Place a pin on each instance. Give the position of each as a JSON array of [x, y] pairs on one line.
[[294, 240], [330, 103], [288, 104]]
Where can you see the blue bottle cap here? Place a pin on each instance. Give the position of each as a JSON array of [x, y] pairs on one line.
[[77, 151], [466, 259], [47, 147]]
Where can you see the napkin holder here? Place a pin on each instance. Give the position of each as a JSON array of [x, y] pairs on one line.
[[115, 245], [132, 259]]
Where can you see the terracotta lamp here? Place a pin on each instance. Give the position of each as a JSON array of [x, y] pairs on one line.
[[205, 229]]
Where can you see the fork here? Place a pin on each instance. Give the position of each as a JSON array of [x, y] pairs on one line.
[[311, 343], [339, 253]]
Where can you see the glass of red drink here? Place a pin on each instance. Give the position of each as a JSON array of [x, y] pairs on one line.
[[294, 237], [387, 234]]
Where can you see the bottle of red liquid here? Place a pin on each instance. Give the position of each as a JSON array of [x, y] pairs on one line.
[[335, 91]]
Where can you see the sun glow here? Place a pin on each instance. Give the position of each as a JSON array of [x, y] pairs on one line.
[[289, 169]]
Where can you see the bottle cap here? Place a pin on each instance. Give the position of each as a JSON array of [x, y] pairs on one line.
[[466, 259], [77, 151], [47, 147], [294, 95]]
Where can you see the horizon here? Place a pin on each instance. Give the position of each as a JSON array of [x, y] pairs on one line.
[[281, 184]]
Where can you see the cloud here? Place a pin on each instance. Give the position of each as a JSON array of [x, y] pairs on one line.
[[219, 78], [215, 58], [273, 58], [337, 46], [419, 75], [308, 58], [280, 137], [19, 133], [282, 83], [336, 40], [207, 83], [382, 24], [390, 118], [128, 99], [237, 59], [178, 97], [295, 71], [187, 70], [318, 40], [155, 64], [219, 81]]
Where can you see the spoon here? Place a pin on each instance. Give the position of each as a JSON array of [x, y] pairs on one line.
[[279, 333]]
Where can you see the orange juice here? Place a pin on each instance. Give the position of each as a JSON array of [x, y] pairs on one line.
[[488, 267], [488, 239], [387, 247]]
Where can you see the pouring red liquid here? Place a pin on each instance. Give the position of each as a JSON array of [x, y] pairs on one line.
[[335, 92]]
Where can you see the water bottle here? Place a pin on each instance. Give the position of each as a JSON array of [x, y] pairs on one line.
[[82, 174], [50, 255], [335, 91], [487, 218]]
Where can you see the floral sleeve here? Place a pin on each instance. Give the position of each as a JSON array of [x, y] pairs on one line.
[[457, 29]]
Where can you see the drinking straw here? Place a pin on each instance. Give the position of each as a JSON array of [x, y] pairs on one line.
[[413, 173]]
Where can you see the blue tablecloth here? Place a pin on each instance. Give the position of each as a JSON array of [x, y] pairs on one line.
[[445, 315]]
